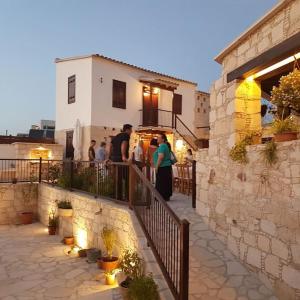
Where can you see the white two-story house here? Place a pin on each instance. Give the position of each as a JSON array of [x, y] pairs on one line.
[[104, 94]]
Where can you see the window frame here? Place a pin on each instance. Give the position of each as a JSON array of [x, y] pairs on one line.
[[117, 102], [71, 79], [175, 109]]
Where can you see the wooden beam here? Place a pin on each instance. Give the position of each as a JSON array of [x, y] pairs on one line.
[[279, 52]]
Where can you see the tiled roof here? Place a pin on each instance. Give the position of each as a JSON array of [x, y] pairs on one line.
[[57, 60]]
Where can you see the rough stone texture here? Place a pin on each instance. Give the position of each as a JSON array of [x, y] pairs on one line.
[[215, 274], [86, 226], [15, 198], [37, 266], [254, 208]]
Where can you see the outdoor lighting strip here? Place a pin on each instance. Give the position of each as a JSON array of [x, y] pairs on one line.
[[274, 67]]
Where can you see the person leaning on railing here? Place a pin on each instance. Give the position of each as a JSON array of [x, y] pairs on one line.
[[163, 167]]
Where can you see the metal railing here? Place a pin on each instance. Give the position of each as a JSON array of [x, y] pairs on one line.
[[156, 118], [167, 235]]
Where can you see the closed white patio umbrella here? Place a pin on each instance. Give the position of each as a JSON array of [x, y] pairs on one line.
[[77, 136]]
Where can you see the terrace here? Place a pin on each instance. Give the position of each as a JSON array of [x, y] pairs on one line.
[[38, 266]]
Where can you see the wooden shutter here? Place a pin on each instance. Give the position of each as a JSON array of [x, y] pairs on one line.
[[177, 104], [71, 89], [119, 94]]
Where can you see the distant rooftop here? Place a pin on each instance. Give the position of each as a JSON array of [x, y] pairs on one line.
[[58, 60]]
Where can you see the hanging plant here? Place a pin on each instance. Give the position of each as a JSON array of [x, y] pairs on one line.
[[287, 95], [269, 153]]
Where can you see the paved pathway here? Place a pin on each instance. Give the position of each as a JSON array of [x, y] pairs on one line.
[[215, 274], [34, 265]]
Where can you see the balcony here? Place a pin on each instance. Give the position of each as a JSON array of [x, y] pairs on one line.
[[156, 118]]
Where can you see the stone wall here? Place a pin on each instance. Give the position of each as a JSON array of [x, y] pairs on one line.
[[86, 226], [256, 210], [15, 198], [284, 24]]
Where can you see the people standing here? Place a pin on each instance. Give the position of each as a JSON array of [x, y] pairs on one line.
[[189, 156], [139, 155], [101, 153], [91, 153], [150, 151], [119, 152], [163, 167]]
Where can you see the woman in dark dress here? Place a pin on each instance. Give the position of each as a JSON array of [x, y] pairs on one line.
[[163, 167]]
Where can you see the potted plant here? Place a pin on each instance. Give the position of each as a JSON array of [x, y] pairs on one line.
[[287, 95], [64, 208], [131, 265], [110, 277], [28, 192], [285, 129], [143, 288], [69, 240], [54, 172], [93, 255], [53, 222], [108, 262]]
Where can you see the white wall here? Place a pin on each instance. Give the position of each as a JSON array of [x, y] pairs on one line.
[[7, 151], [93, 105], [103, 114], [66, 114]]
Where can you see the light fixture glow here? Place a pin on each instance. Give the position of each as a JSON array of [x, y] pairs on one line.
[[274, 67], [179, 145], [82, 238]]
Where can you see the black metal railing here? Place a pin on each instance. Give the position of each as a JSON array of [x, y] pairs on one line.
[[156, 118], [167, 235], [19, 170]]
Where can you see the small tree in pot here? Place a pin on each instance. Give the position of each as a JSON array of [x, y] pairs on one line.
[[108, 262], [143, 288], [53, 222]]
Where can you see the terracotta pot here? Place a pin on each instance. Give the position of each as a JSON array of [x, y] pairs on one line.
[[286, 136], [107, 264], [69, 240], [26, 217], [65, 212], [52, 230]]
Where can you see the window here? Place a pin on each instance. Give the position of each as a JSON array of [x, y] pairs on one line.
[[198, 109], [204, 110], [119, 94], [204, 99], [177, 104], [71, 89], [201, 104]]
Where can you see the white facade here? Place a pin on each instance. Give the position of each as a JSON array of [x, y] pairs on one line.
[[93, 104]]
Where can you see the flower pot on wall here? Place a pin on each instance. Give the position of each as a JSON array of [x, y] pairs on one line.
[[108, 264], [69, 240], [65, 212], [26, 217], [286, 136], [52, 230]]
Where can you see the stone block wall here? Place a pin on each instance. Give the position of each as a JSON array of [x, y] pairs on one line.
[[255, 209], [86, 226], [15, 198], [282, 25]]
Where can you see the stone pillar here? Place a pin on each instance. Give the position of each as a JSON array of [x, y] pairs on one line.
[[247, 116]]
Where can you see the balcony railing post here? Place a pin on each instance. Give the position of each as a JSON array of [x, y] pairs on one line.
[[40, 171], [194, 184], [131, 186], [184, 260]]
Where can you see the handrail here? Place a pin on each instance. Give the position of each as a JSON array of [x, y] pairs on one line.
[[156, 193], [192, 134]]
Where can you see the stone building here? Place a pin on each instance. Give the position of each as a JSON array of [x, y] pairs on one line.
[[254, 208]]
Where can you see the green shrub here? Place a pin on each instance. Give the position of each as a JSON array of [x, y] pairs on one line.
[[131, 264], [143, 288], [285, 125]]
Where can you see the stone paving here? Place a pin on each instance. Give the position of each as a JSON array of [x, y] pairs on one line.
[[215, 274], [34, 265]]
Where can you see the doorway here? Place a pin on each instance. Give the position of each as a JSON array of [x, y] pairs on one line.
[[69, 145], [150, 107]]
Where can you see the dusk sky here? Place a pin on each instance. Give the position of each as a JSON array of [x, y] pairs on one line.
[[176, 37]]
